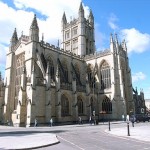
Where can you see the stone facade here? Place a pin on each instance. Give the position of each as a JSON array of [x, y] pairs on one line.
[[44, 81]]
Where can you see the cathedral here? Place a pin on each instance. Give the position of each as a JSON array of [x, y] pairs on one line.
[[44, 81]]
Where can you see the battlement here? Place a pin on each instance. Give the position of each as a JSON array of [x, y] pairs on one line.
[[60, 50], [98, 54], [72, 23], [24, 38]]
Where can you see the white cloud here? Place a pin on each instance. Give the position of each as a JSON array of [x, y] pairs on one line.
[[136, 41], [112, 21], [138, 76]]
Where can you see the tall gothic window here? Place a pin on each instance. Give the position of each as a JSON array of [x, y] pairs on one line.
[[105, 76], [51, 65], [64, 106], [89, 72], [63, 72], [92, 105], [19, 71], [80, 106], [107, 105], [77, 73]]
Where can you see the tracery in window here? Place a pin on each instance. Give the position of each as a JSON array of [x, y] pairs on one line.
[[77, 73], [105, 75], [64, 106], [64, 72], [19, 71], [51, 67], [80, 105]]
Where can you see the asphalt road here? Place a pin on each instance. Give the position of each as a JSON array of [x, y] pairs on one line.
[[85, 137], [88, 137]]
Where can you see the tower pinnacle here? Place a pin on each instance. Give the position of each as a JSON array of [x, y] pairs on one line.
[[34, 30], [34, 24]]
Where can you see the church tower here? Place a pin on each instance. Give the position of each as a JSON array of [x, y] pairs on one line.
[[78, 35]]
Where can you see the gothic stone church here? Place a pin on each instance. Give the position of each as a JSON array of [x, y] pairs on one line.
[[44, 81]]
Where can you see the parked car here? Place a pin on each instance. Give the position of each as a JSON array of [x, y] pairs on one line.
[[140, 118]]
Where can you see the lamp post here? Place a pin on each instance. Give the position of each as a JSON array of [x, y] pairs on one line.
[[128, 128]]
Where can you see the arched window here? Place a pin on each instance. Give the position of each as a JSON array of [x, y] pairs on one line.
[[77, 73], [51, 67], [105, 76], [64, 72], [64, 106], [92, 105], [80, 106], [89, 72], [107, 105], [19, 71]]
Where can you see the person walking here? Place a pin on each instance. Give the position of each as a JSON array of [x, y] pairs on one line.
[[35, 123], [51, 122], [80, 120], [122, 117], [90, 120]]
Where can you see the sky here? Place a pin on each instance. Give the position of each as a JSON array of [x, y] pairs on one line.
[[129, 19]]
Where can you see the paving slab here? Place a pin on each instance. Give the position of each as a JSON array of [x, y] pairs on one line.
[[27, 141], [141, 133]]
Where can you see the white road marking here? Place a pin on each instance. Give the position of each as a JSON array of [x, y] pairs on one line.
[[71, 143]]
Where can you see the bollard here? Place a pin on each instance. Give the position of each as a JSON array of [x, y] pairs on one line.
[[109, 126], [128, 129]]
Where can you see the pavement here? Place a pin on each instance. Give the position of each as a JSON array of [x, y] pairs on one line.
[[18, 138], [137, 132], [21, 138]]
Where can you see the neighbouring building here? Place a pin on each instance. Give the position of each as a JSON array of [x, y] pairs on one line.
[[139, 102], [44, 81], [147, 104]]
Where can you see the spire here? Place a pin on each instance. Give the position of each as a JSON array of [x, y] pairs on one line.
[[81, 8], [124, 46], [111, 38], [116, 38], [42, 36], [81, 11], [14, 38], [34, 24], [91, 17], [64, 20], [34, 30]]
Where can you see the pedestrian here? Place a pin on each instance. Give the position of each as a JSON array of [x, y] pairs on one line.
[[51, 122], [133, 120], [35, 122], [127, 118], [90, 120], [122, 117], [80, 120]]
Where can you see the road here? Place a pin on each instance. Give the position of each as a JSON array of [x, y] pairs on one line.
[[87, 137]]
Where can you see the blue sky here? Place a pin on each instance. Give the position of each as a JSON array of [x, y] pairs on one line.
[[127, 18]]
